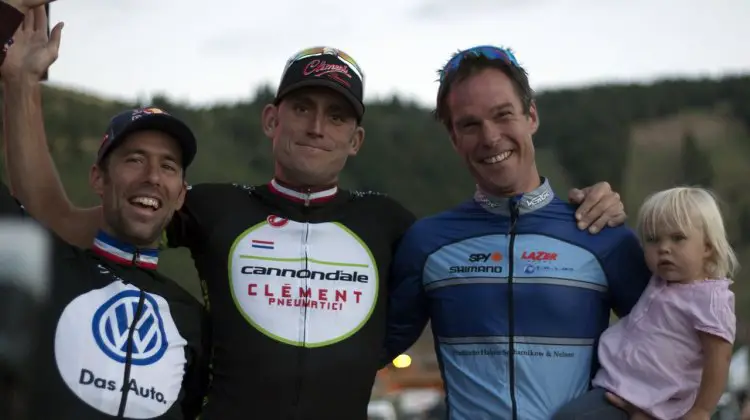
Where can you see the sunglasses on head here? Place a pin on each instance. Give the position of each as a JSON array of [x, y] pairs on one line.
[[314, 51], [487, 51]]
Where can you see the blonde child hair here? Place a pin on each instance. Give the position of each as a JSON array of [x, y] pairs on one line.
[[685, 208]]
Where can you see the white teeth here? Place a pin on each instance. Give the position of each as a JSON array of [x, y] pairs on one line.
[[147, 201], [498, 158]]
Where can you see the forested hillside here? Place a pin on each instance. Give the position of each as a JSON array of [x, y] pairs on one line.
[[638, 137]]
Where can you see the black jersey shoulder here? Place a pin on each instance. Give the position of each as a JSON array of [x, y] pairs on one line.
[[177, 293], [393, 212], [217, 190], [212, 198], [382, 201], [204, 204]]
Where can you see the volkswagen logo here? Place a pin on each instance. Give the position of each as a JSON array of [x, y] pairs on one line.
[[112, 322]]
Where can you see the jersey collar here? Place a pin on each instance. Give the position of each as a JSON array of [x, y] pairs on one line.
[[303, 197], [125, 254], [526, 203]]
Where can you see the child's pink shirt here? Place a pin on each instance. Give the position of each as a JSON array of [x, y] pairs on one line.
[[652, 357]]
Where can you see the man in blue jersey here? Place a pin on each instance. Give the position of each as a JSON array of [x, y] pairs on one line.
[[516, 293]]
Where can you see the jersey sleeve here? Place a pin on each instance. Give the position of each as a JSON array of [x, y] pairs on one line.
[[407, 300], [10, 208], [10, 20], [714, 313], [197, 375], [8, 204], [402, 218], [626, 270], [184, 230]]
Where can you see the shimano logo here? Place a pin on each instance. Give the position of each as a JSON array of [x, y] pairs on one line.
[[111, 326], [338, 275], [533, 202], [456, 269]]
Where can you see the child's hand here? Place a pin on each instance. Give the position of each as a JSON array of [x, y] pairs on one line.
[[697, 414]]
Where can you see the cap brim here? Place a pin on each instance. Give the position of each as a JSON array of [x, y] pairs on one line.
[[164, 123], [359, 108]]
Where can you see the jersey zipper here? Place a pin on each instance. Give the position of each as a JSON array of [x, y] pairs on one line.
[[513, 204], [303, 319], [129, 355]]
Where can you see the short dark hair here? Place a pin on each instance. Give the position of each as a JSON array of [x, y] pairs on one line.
[[473, 64]]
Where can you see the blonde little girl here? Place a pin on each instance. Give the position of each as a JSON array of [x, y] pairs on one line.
[[669, 358]]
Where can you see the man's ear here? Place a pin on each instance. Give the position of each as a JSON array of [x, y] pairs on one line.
[[96, 179], [270, 120], [453, 141], [533, 117], [181, 195], [358, 138]]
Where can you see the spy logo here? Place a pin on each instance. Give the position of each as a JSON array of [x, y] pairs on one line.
[[113, 321]]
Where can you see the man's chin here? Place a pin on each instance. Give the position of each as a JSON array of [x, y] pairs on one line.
[[495, 183], [140, 235]]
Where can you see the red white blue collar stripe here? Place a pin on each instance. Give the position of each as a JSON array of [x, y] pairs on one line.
[[125, 254], [294, 195]]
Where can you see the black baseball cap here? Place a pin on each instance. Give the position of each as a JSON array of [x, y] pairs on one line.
[[131, 121], [324, 67]]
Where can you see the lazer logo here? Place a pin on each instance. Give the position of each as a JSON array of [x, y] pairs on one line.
[[338, 275], [533, 202], [113, 321], [539, 256], [495, 256]]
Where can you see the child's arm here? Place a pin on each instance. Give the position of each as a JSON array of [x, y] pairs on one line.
[[717, 353], [716, 325]]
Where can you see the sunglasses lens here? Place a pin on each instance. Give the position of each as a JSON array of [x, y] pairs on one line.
[[309, 52], [493, 53]]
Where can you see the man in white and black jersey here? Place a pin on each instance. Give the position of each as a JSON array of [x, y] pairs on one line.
[[117, 340], [296, 270]]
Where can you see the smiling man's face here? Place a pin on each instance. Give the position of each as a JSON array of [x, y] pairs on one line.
[[141, 185], [492, 133]]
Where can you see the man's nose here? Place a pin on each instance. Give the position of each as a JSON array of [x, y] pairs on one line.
[[491, 133], [154, 172], [315, 125]]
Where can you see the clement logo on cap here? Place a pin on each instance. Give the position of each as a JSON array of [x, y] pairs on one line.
[[319, 68]]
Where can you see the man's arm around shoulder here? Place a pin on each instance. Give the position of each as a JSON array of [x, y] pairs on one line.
[[407, 301], [198, 375], [625, 266]]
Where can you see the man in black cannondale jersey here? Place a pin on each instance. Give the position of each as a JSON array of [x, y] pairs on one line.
[[117, 339], [297, 269]]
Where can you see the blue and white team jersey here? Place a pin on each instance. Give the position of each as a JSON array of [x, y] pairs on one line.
[[517, 297]]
